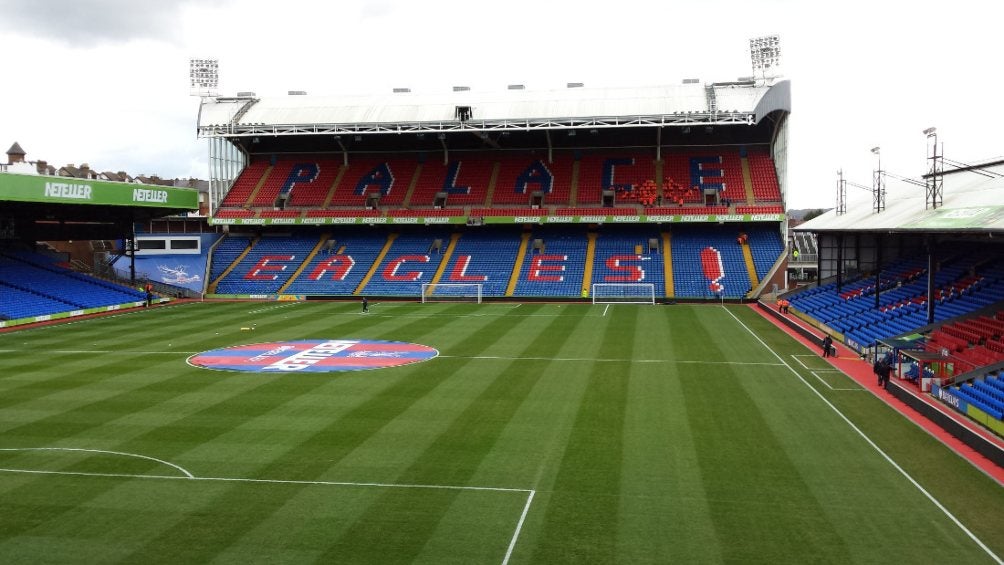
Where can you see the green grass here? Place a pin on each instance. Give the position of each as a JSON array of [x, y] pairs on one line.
[[634, 434]]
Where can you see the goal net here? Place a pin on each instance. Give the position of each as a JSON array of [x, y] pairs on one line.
[[451, 292], [626, 293]]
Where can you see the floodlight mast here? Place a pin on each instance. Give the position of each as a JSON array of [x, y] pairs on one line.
[[878, 183], [841, 193], [935, 182], [204, 76], [765, 53]]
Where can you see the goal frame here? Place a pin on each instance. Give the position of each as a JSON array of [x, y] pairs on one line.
[[646, 297], [429, 290]]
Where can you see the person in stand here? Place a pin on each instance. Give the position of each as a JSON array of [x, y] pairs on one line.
[[827, 346], [366, 305]]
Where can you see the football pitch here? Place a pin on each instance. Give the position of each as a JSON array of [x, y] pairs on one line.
[[541, 433]]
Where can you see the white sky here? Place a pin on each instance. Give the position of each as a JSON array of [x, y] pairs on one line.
[[106, 81]]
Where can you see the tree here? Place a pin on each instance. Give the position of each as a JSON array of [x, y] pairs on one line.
[[813, 213]]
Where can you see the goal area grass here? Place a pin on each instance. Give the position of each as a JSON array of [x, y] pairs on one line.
[[540, 433]]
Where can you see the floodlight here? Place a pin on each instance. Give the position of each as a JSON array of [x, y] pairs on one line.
[[875, 150], [204, 76], [765, 52], [930, 131]]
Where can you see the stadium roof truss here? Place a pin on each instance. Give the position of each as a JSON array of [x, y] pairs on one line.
[[711, 119], [681, 105]]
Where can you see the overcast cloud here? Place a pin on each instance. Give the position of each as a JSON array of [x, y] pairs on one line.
[[106, 82], [85, 23]]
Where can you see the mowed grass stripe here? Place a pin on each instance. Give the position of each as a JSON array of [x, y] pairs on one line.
[[663, 516], [669, 507], [456, 454], [308, 459], [588, 479], [854, 484], [732, 435], [168, 437]]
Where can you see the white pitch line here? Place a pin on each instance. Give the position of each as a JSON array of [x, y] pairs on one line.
[[828, 385], [884, 455], [595, 360], [123, 454], [103, 352], [519, 527], [605, 311], [815, 373], [267, 481], [266, 309], [505, 560]]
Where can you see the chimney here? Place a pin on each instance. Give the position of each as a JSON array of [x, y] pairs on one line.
[[42, 167], [85, 171]]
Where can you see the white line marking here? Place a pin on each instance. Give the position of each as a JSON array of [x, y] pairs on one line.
[[266, 309], [519, 526], [605, 311], [594, 360], [505, 560], [820, 379], [884, 455], [815, 373], [123, 454], [267, 481], [102, 352], [85, 318]]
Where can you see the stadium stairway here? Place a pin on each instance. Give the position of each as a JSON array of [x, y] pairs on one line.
[[376, 263], [667, 262], [338, 269], [411, 186], [573, 192], [747, 180], [484, 256], [623, 257], [268, 265], [228, 255], [334, 186], [258, 186], [557, 272], [410, 261], [517, 266], [307, 261], [446, 257], [750, 266], [587, 273]]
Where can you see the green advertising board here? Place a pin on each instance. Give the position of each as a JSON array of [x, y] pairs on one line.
[[65, 190], [592, 219]]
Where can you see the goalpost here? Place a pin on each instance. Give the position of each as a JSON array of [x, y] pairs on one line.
[[623, 293], [451, 292]]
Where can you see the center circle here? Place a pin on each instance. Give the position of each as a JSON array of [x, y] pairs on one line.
[[313, 356]]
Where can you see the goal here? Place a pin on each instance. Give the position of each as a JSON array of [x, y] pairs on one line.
[[451, 292], [625, 293]]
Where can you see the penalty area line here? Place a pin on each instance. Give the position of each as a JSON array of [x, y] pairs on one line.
[[519, 527], [188, 477], [267, 481]]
